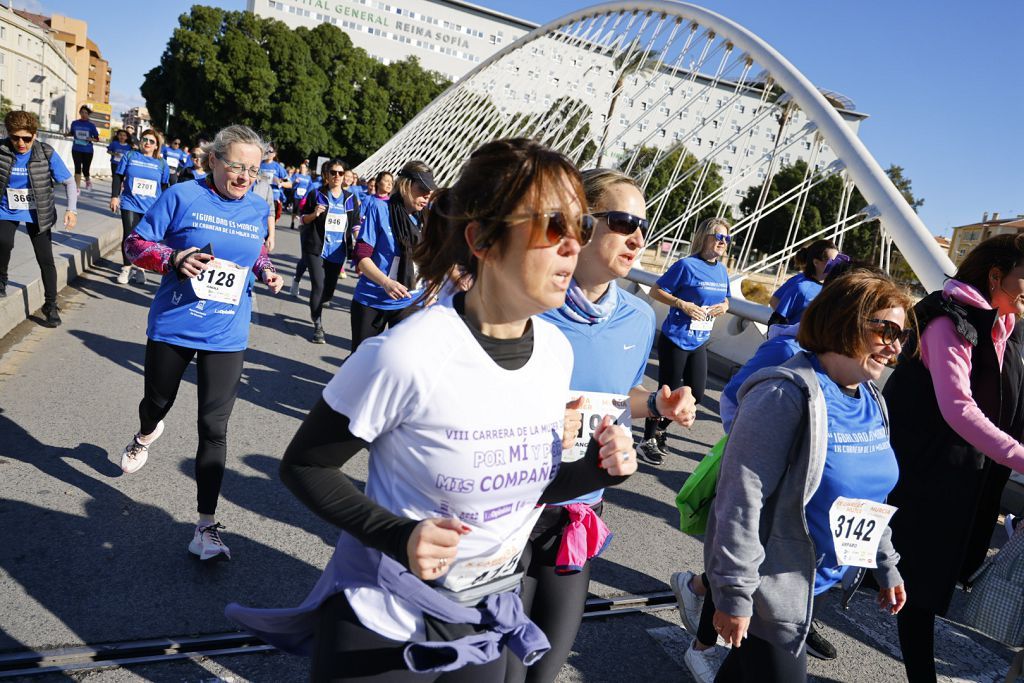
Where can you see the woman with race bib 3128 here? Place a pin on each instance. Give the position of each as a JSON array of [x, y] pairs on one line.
[[207, 239]]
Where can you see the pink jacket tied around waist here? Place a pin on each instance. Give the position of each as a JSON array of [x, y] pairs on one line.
[[585, 537]]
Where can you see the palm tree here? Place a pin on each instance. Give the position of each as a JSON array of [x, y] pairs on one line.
[[631, 60]]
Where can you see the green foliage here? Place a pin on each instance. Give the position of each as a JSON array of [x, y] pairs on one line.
[[566, 127], [309, 90], [6, 105]]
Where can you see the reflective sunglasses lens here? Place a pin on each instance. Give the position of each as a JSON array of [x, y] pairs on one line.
[[555, 229], [723, 238], [586, 229], [626, 223], [22, 138]]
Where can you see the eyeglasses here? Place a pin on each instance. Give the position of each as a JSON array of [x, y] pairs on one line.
[[835, 261], [23, 138], [624, 223], [148, 141], [551, 227], [239, 168], [722, 237], [891, 332]]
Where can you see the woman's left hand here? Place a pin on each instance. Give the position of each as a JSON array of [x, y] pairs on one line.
[[70, 220], [573, 423], [616, 455], [732, 629], [678, 406], [717, 310], [275, 282], [892, 599]]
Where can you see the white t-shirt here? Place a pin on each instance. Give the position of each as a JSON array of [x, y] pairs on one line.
[[453, 434]]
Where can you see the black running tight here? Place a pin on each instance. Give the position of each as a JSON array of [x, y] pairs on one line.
[[369, 322], [345, 651], [219, 373], [42, 245], [916, 626], [83, 161], [323, 277], [758, 661], [676, 368], [129, 219]]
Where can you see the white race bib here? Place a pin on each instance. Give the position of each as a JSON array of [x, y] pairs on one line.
[[702, 325], [222, 281], [336, 221], [300, 192], [595, 406], [21, 200], [857, 527], [143, 187], [82, 135], [495, 563], [171, 161], [117, 156]]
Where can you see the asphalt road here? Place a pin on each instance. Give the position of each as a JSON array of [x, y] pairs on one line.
[[93, 556]]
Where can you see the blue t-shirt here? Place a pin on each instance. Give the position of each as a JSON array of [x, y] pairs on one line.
[[19, 181], [144, 178], [117, 151], [337, 209], [274, 171], [795, 295], [769, 354], [376, 232], [300, 185], [190, 214], [83, 132], [611, 356], [859, 463], [695, 280], [177, 159]]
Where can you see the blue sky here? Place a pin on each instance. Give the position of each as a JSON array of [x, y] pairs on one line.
[[941, 80]]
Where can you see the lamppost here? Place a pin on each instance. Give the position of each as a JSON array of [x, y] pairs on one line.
[[169, 112], [39, 78]]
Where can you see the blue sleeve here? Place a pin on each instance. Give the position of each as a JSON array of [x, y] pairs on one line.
[[157, 220], [652, 323], [110, 148], [281, 172], [59, 171], [95, 131], [122, 166], [728, 283], [371, 225], [673, 277], [165, 173]]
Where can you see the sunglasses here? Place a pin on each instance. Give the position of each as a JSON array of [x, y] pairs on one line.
[[148, 141], [551, 227], [722, 237], [624, 223], [891, 332], [833, 262], [23, 138], [336, 173]]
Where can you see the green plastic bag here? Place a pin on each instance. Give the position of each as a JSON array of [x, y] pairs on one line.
[[694, 499]]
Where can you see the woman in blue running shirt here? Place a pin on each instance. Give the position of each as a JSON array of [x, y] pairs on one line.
[[139, 179], [83, 133], [300, 187], [795, 295], [388, 283], [611, 332], [119, 146], [696, 290], [207, 240]]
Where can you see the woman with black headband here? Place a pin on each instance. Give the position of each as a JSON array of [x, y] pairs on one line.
[[388, 283]]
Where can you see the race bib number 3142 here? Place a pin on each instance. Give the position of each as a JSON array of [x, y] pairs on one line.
[[857, 527], [222, 281]]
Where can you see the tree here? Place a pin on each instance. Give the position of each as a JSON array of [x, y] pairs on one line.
[[632, 60], [566, 127], [864, 240]]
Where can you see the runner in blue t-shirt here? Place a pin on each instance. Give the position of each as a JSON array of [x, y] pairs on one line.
[[139, 179], [388, 282], [175, 157], [791, 299], [611, 332], [207, 239], [696, 290], [273, 171], [83, 133], [300, 187], [119, 146], [21, 201]]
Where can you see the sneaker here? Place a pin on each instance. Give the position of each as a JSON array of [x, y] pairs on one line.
[[689, 603], [704, 664], [817, 646], [648, 452], [88, 184], [136, 453], [124, 275], [206, 543], [342, 275], [139, 276], [1010, 524], [3, 289], [295, 287], [51, 315], [661, 438], [318, 334]]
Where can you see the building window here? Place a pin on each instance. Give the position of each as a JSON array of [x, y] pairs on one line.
[[662, 133]]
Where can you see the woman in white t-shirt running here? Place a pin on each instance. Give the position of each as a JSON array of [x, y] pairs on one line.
[[462, 409]]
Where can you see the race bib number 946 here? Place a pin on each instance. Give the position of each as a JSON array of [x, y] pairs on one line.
[[21, 200], [222, 281], [595, 406], [857, 527]]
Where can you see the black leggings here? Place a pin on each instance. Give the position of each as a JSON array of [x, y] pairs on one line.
[[42, 245], [758, 661], [676, 368], [554, 602], [219, 373], [346, 651], [916, 626], [129, 219], [323, 276], [369, 322], [83, 160]]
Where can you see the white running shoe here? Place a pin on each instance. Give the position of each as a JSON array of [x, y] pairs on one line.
[[136, 453], [689, 603], [704, 664], [139, 275], [124, 275], [295, 288], [206, 542]]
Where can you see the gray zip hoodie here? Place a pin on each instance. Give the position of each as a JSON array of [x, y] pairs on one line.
[[758, 552]]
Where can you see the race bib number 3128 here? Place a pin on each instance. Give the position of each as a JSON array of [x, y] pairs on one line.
[[222, 281]]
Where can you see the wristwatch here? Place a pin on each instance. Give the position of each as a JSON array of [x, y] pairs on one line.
[[652, 404]]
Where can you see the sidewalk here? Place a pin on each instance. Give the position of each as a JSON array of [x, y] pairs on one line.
[[97, 234]]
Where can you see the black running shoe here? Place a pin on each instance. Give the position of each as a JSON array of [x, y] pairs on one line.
[[817, 646], [647, 451], [51, 315], [3, 288], [318, 335]]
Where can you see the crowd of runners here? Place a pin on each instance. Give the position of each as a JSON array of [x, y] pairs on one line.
[[497, 369]]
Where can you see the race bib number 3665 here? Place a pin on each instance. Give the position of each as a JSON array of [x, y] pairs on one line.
[[857, 527], [222, 281], [595, 406], [21, 200]]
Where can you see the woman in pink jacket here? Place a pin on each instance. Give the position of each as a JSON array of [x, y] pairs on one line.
[[957, 415]]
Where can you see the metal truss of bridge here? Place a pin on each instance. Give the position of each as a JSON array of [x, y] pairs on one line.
[[696, 107]]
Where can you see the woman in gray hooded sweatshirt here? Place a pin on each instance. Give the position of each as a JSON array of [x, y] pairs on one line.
[[803, 482]]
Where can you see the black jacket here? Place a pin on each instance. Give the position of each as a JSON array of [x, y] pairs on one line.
[[312, 235], [948, 492], [40, 179]]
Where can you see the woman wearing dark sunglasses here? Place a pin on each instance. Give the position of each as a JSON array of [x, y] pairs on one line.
[[956, 410], [805, 473], [462, 409], [611, 332], [791, 299], [139, 180], [696, 290]]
